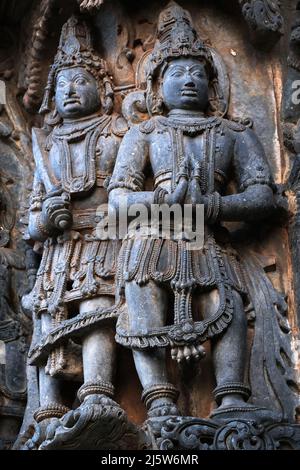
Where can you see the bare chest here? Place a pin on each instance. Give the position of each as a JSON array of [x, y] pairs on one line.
[[210, 151]]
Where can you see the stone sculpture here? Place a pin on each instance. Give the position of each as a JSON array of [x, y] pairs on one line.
[[191, 154], [183, 149], [73, 296]]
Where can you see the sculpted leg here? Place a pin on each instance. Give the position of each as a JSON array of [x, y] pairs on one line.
[[147, 308], [98, 353], [50, 392], [229, 352], [51, 403], [97, 414]]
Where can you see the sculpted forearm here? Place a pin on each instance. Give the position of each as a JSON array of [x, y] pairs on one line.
[[123, 197], [256, 203]]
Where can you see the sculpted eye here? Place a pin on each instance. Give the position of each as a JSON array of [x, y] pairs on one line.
[[61, 83], [176, 73], [81, 81], [198, 74]]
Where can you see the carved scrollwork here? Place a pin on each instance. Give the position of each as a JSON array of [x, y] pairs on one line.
[[197, 434], [264, 19], [34, 92], [97, 424]]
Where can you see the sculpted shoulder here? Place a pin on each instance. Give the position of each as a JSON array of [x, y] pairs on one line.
[[40, 135], [147, 127], [240, 132], [234, 125]]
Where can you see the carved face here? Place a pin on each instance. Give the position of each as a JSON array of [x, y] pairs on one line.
[[76, 93], [185, 85]]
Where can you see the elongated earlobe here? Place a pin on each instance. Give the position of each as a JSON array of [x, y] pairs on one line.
[[53, 118]]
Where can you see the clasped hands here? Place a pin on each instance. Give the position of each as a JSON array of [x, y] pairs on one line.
[[188, 191]]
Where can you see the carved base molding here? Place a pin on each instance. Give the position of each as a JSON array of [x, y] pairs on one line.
[[186, 433], [106, 427], [97, 424]]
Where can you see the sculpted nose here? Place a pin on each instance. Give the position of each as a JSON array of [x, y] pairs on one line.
[[70, 89], [189, 83]]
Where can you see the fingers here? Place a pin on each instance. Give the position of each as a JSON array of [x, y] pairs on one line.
[[54, 204], [195, 192], [181, 190], [56, 213]]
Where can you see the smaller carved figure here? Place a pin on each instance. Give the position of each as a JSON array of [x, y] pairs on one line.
[[73, 297], [13, 325]]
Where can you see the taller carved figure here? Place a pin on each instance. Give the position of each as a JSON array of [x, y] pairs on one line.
[[193, 155], [73, 296]]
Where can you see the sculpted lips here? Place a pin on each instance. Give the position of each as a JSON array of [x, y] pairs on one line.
[[72, 101], [188, 92]]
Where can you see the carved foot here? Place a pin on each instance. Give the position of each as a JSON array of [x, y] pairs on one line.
[[36, 434], [244, 410], [98, 423], [163, 409], [160, 400]]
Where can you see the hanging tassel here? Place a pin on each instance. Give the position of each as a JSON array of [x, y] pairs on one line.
[[45, 106], [108, 96], [149, 96]]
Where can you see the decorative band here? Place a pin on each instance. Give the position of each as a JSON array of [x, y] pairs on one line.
[[95, 388], [84, 219], [231, 388], [161, 176], [52, 410], [159, 391]]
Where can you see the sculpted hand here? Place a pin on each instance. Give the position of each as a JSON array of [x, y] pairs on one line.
[[177, 196], [56, 214], [194, 193]]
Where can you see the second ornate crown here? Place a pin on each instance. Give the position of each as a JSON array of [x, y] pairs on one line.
[[75, 50]]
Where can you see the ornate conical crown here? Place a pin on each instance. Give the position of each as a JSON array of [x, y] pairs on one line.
[[176, 37], [75, 50]]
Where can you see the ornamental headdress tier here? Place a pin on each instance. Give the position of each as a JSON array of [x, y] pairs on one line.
[[176, 37], [76, 50]]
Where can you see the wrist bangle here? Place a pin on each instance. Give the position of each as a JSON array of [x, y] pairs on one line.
[[213, 207], [159, 195]]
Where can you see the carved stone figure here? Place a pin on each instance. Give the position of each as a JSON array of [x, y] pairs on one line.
[[73, 297], [13, 332], [14, 325], [191, 153]]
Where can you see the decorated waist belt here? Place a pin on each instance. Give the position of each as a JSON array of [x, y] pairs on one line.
[[86, 218]]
